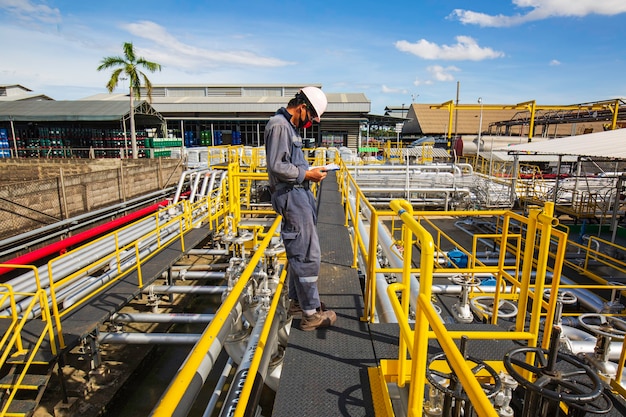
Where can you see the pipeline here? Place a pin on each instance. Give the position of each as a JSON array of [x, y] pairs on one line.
[[185, 274], [132, 338], [185, 318], [384, 308], [232, 399], [193, 389], [62, 245], [184, 289], [79, 258]]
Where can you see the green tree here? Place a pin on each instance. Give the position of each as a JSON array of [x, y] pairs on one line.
[[129, 64]]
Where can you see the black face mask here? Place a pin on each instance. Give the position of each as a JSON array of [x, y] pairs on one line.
[[307, 123]]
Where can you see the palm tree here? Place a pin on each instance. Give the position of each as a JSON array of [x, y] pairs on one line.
[[128, 65]]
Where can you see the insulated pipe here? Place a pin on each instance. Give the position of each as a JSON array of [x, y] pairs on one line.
[[184, 289], [201, 374], [588, 346], [148, 338], [232, 399], [95, 282], [70, 291], [199, 267], [384, 309], [457, 168], [426, 190], [217, 391], [181, 181], [208, 252], [62, 245], [184, 318], [183, 274], [386, 243], [79, 258]]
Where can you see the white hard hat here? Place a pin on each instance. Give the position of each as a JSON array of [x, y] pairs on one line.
[[318, 100]]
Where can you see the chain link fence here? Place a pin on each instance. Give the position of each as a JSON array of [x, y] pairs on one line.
[[29, 205]]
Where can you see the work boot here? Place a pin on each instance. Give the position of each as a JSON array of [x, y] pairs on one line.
[[318, 319], [296, 310]]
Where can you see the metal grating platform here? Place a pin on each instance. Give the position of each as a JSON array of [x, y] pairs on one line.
[[325, 371]]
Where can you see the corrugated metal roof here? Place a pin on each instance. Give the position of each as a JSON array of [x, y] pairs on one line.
[[337, 103], [602, 145], [64, 110], [435, 121], [25, 97]]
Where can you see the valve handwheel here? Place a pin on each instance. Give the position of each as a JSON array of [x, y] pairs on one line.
[[602, 325], [483, 305], [463, 279], [568, 380], [438, 378], [566, 297]]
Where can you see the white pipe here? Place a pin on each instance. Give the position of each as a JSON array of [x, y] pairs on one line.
[[181, 181], [219, 386], [184, 289], [191, 391], [208, 252], [148, 338], [184, 274], [384, 309], [186, 318]]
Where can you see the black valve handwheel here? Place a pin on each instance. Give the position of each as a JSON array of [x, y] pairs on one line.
[[453, 387], [600, 405], [571, 381]]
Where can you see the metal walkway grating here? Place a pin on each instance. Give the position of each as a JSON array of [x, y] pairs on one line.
[[325, 371]]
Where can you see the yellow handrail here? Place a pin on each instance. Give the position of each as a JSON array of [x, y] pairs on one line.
[[177, 388], [426, 315]]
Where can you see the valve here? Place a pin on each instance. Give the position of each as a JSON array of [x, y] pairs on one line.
[[443, 379], [551, 378], [462, 308], [483, 306], [605, 329]]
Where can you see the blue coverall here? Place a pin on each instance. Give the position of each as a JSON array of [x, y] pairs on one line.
[[292, 199]]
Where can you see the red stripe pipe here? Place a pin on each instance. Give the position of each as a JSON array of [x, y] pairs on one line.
[[62, 245]]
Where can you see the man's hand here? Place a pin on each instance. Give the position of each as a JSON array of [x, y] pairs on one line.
[[315, 174]]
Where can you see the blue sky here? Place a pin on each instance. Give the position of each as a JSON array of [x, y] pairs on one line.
[[505, 51]]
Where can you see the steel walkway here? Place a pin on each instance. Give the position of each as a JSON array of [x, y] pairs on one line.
[[325, 371]]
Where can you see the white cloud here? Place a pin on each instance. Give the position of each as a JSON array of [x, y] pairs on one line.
[[466, 48], [541, 9], [419, 82], [31, 11], [171, 52], [442, 74], [389, 90], [555, 62]]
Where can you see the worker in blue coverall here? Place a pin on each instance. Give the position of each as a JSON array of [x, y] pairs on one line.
[[289, 177]]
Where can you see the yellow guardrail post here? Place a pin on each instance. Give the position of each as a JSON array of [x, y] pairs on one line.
[[546, 222], [371, 265], [529, 248], [420, 345]]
